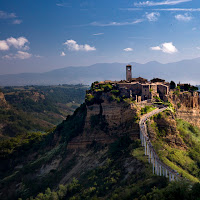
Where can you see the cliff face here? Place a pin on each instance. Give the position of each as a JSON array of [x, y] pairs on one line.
[[107, 121], [187, 106]]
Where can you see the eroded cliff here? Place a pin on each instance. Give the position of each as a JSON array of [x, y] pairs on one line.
[[187, 106], [107, 121]]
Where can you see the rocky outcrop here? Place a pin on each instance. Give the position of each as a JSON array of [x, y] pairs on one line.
[[3, 102], [107, 121], [187, 106]]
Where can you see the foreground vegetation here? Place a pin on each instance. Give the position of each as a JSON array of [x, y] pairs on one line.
[[111, 181]]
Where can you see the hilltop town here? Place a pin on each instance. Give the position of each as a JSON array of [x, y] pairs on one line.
[[140, 89]]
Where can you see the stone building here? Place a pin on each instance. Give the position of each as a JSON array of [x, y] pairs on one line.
[[142, 87]]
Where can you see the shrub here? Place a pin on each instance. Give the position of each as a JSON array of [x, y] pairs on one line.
[[115, 92]]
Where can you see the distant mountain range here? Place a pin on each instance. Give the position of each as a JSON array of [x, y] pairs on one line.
[[183, 71]]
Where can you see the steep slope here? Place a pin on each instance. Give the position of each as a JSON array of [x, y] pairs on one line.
[[177, 144]]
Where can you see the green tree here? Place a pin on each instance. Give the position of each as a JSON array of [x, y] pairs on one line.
[[172, 85]]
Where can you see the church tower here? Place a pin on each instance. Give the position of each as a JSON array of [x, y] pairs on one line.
[[128, 72]]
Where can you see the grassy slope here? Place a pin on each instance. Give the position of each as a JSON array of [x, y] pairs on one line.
[[186, 162]]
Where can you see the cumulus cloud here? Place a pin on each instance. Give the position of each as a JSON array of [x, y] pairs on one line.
[[73, 46], [185, 17], [166, 47], [19, 55], [166, 2], [17, 21], [5, 15], [3, 45], [18, 43], [117, 23], [152, 16], [128, 49], [62, 53]]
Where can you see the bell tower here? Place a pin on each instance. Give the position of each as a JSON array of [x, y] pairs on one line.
[[128, 72]]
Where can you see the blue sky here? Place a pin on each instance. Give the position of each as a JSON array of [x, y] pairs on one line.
[[40, 35]]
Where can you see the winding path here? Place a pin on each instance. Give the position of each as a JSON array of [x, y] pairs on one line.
[[159, 168]]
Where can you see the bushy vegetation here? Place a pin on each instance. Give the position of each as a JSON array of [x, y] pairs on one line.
[[16, 123], [19, 143], [147, 109], [94, 95]]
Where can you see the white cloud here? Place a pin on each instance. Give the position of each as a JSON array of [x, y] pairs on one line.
[[18, 43], [62, 53], [157, 48], [167, 2], [17, 21], [5, 15], [185, 17], [3, 45], [23, 55], [194, 29], [166, 47], [19, 55], [152, 16], [73, 46], [128, 49], [63, 5], [98, 34], [198, 48], [179, 9], [117, 23]]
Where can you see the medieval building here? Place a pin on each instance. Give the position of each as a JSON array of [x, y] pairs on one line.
[[143, 89]]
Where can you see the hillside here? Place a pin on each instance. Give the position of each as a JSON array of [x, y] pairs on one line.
[[95, 154], [36, 108], [114, 71]]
